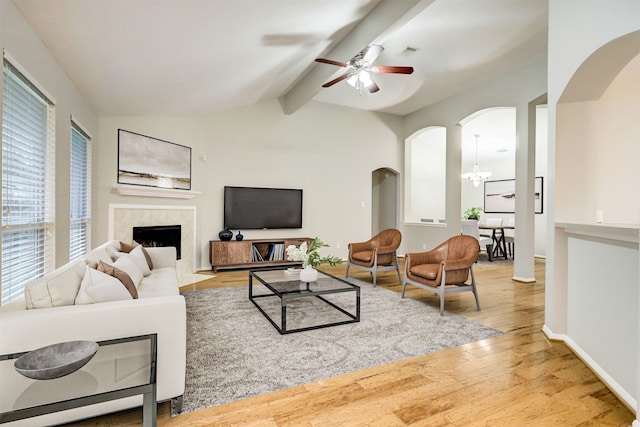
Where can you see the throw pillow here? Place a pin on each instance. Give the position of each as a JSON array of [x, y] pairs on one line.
[[97, 286], [137, 256], [128, 247], [122, 276], [126, 264]]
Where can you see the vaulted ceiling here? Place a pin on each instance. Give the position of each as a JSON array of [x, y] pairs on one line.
[[189, 57]]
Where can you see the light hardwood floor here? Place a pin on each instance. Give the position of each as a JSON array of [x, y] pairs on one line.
[[517, 379]]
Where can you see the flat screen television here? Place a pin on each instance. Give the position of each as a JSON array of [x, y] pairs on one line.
[[252, 208]]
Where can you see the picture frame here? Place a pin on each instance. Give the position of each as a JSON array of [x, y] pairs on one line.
[[152, 162], [500, 196]]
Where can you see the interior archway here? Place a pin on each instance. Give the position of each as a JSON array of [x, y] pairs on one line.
[[384, 200], [425, 176]]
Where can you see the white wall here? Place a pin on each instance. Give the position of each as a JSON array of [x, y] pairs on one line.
[[32, 57], [425, 172], [330, 152], [590, 43], [592, 136], [600, 302]]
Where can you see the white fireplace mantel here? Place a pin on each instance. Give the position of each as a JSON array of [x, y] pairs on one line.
[[144, 191]]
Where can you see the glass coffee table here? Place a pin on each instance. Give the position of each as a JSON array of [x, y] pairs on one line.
[[294, 306]]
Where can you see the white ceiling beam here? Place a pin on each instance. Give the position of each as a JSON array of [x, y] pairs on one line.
[[385, 18]]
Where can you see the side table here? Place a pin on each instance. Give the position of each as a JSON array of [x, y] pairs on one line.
[[121, 368]]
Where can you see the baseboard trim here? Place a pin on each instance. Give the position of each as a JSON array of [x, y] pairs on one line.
[[524, 279], [615, 388]]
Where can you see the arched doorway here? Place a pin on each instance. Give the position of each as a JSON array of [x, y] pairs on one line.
[[384, 200]]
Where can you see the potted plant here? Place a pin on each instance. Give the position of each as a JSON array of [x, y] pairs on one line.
[[310, 258], [472, 213]]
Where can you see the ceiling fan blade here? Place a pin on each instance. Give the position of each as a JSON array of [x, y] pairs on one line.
[[331, 62], [338, 79], [372, 52], [373, 87], [392, 69]]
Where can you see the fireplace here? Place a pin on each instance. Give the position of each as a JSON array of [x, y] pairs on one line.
[[160, 235]]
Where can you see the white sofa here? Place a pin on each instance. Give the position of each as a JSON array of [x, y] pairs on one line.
[[159, 309]]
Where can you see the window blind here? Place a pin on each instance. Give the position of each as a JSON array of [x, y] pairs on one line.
[[80, 229], [27, 183]]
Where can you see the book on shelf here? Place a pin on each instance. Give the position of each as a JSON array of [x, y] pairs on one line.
[[257, 256]]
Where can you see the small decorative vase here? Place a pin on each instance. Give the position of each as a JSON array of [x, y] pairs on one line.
[[239, 236], [225, 235], [309, 274]]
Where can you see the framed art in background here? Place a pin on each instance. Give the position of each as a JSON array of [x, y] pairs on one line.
[[143, 160], [500, 196]]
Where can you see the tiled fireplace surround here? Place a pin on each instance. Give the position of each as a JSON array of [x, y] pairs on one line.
[[122, 219]]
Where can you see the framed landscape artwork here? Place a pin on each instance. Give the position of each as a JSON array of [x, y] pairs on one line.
[[500, 196], [151, 162]]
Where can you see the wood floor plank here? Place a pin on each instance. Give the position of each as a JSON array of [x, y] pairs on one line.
[[516, 379]]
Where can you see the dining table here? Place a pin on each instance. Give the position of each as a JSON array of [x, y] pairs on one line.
[[497, 235]]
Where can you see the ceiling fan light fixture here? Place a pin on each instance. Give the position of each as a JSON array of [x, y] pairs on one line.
[[365, 78], [360, 79], [357, 70]]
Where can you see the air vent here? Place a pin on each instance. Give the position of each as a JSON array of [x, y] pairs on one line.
[[409, 50]]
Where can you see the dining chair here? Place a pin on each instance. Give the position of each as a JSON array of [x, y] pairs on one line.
[[509, 238], [469, 227], [492, 222]]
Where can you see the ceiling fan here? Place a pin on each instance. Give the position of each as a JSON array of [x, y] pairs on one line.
[[358, 69]]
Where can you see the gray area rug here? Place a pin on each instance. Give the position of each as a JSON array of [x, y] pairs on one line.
[[233, 352]]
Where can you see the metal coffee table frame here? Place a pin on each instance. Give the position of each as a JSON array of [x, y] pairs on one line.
[[148, 390], [300, 293]]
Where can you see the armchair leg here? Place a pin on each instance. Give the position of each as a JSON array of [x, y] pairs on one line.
[[397, 268], [347, 274], [442, 290], [474, 289], [374, 272]]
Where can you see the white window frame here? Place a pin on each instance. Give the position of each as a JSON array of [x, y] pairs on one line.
[[80, 192], [28, 234]]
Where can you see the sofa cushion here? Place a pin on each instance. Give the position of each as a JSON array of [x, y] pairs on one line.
[[95, 256], [119, 275], [57, 288], [113, 253], [126, 264], [161, 282], [97, 286]]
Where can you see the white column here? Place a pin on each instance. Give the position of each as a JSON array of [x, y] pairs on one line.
[[523, 268]]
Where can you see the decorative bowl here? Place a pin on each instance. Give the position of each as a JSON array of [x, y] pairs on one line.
[[56, 360]]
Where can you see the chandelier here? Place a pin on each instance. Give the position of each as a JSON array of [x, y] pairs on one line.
[[476, 176]]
